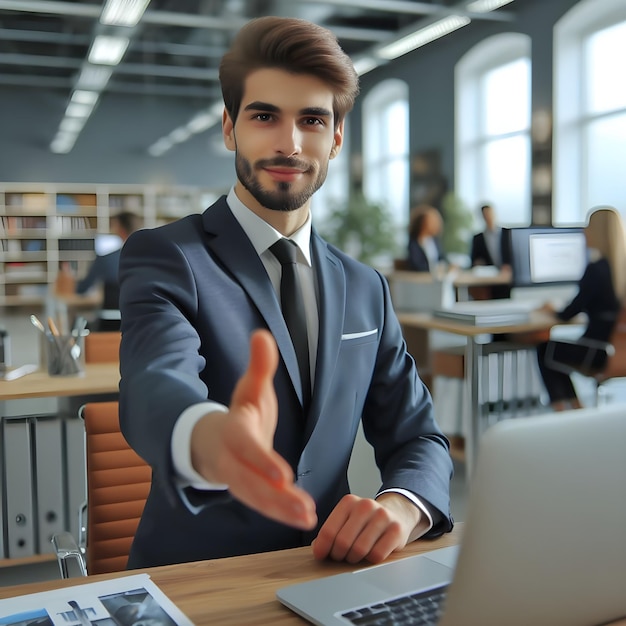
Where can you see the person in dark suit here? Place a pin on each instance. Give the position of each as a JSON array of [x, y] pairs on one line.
[[600, 294], [424, 249], [104, 271], [492, 246], [211, 394]]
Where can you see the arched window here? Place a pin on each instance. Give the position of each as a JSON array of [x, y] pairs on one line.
[[493, 92], [590, 110], [386, 149]]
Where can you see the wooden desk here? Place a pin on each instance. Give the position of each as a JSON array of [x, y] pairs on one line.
[[537, 321], [238, 590], [99, 378]]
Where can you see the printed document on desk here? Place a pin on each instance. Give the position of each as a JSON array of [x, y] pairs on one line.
[[488, 312], [105, 602]]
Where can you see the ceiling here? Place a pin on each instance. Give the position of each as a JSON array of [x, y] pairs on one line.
[[175, 48]]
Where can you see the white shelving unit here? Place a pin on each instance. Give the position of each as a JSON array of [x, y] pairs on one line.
[[44, 225]]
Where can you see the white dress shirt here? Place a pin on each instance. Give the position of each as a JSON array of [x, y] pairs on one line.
[[492, 241]]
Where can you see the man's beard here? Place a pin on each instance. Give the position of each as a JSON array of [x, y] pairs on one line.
[[283, 198]]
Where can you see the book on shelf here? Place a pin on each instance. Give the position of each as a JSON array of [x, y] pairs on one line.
[[28, 201]]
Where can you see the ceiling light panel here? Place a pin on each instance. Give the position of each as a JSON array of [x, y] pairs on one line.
[[85, 97], [123, 12], [93, 77], [484, 6], [108, 50], [423, 36]]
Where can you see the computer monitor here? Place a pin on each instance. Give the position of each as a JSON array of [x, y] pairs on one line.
[[547, 255]]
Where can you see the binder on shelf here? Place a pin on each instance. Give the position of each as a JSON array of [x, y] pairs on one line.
[[49, 479], [19, 505], [3, 553], [76, 479]]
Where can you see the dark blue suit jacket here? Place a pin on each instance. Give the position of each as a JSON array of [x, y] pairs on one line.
[[417, 259], [192, 292]]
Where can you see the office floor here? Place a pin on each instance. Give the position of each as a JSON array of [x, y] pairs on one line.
[[24, 343]]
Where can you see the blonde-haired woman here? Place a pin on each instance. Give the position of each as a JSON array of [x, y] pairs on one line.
[[601, 291]]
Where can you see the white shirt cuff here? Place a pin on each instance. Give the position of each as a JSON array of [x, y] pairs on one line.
[[181, 446], [418, 503]]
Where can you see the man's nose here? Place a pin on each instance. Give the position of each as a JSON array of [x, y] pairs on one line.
[[289, 140]]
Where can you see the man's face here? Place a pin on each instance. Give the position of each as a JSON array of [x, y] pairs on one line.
[[283, 138], [489, 216]]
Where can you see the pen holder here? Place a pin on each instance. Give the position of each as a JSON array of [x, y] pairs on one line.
[[65, 355]]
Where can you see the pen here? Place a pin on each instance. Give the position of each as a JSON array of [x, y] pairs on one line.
[[53, 327]]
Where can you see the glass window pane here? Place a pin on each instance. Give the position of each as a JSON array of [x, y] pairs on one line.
[[506, 98], [396, 123], [605, 54], [606, 142], [506, 175], [386, 145]]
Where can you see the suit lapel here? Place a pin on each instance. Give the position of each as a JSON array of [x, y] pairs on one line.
[[230, 244], [331, 304]]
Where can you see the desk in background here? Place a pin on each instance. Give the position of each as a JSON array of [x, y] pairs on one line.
[[42, 477], [461, 280], [474, 349], [99, 378]]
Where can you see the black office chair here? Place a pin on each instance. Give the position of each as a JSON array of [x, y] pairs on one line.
[[612, 354]]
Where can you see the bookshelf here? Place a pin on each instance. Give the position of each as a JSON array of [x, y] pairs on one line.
[[45, 225]]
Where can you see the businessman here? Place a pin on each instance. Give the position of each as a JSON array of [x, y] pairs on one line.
[[104, 272], [249, 444], [492, 246]]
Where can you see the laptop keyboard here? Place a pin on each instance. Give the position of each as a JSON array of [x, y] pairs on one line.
[[417, 609]]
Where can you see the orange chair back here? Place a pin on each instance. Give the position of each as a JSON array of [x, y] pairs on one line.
[[103, 347], [118, 482]]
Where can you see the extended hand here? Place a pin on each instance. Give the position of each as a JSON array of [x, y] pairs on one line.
[[362, 528], [236, 448]]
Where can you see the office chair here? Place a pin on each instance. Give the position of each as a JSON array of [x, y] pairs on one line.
[[102, 347], [614, 349], [118, 482], [616, 365]]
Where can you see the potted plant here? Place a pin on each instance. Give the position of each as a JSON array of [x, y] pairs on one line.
[[362, 229]]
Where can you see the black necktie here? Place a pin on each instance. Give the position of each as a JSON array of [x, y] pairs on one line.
[[292, 305]]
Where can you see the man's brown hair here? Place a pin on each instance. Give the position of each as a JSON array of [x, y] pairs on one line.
[[292, 45], [127, 221]]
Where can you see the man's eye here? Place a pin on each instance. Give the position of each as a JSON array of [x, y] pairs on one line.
[[263, 117], [313, 121]]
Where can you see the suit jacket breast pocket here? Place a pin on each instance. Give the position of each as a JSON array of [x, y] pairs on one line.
[[359, 338]]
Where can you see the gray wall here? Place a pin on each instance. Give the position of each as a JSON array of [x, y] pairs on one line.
[[429, 71], [104, 154]]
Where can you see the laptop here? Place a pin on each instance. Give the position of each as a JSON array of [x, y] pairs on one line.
[[544, 541]]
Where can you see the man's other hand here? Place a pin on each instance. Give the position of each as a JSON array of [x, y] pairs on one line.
[[362, 528]]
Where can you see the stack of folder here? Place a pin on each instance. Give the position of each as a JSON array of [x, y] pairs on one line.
[[487, 312]]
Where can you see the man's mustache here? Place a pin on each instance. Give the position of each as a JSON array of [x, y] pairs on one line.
[[289, 162]]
